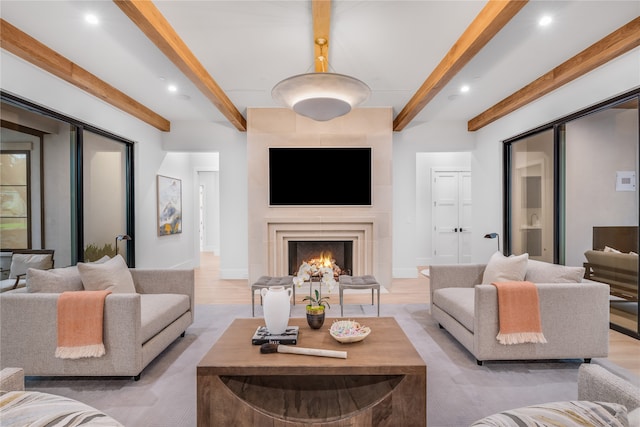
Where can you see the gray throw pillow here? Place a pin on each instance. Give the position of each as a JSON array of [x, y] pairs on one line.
[[112, 275], [544, 272], [21, 262], [54, 281]]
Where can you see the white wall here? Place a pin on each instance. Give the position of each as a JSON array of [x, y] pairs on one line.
[[231, 145], [428, 137], [613, 78]]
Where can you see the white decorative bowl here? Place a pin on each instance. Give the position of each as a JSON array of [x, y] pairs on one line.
[[347, 331]]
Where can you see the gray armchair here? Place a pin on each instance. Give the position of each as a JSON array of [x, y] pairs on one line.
[[21, 261]]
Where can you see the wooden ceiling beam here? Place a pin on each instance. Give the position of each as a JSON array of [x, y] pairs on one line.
[[26, 47], [153, 24], [321, 12], [491, 19], [615, 44]]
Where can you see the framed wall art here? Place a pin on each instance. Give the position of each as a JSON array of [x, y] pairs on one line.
[[169, 205]]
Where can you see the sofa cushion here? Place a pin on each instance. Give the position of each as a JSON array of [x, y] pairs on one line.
[[505, 269], [568, 414], [112, 275], [544, 272], [159, 310], [458, 303], [54, 281]]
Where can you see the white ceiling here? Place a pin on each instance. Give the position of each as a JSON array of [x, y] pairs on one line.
[[249, 46]]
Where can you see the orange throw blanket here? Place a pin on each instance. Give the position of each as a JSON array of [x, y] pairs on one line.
[[519, 313], [80, 318]]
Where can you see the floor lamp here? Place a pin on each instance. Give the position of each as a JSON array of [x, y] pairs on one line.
[[121, 237], [493, 236]]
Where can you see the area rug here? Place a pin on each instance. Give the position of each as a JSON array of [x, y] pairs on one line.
[[458, 390]]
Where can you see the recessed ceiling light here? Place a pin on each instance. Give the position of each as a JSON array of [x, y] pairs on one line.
[[172, 88], [91, 18], [544, 21], [464, 89]]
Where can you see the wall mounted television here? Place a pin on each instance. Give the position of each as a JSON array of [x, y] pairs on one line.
[[320, 176]]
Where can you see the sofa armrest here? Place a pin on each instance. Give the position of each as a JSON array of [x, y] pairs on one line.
[[12, 379], [597, 384], [29, 339], [575, 318], [454, 276], [165, 281]]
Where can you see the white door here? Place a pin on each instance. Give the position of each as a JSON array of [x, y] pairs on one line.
[[451, 204]]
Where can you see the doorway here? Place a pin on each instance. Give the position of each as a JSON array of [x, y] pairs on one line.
[[209, 211], [426, 163], [451, 204]]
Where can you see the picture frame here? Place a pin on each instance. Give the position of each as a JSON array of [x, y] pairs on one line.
[[169, 192]]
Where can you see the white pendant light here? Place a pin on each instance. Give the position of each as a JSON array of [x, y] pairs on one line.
[[321, 96]]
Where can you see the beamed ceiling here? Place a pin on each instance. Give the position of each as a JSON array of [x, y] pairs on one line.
[[226, 56]]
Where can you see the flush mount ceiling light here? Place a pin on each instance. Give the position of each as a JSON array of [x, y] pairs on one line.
[[321, 96]]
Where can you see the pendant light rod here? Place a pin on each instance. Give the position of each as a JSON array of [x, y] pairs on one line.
[[321, 14]]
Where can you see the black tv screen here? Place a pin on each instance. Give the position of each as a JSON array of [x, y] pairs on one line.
[[319, 176]]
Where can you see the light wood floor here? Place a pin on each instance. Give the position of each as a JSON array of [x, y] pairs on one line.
[[210, 289]]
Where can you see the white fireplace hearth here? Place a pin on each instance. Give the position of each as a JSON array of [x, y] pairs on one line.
[[281, 231]]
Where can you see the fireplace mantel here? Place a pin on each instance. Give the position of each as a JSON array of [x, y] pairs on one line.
[[357, 230]]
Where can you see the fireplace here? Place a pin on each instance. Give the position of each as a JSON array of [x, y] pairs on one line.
[[357, 232], [340, 251]]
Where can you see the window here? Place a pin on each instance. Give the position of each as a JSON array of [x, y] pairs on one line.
[[77, 185], [567, 200], [15, 206]]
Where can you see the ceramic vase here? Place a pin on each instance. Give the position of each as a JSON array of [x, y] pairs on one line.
[[276, 303]]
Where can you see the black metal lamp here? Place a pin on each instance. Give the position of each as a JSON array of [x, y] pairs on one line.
[[121, 237], [493, 236]]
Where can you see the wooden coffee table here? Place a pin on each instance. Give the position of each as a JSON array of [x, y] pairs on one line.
[[383, 381]]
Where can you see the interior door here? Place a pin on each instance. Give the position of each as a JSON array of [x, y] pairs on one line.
[[451, 204]]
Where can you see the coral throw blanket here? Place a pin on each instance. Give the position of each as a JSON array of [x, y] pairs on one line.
[[80, 318], [519, 313]]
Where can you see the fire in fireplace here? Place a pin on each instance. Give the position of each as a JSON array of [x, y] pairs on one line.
[[335, 254]]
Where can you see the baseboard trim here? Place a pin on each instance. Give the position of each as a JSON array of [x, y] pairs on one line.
[[405, 273]]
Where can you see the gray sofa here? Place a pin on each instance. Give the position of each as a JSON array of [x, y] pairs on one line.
[[575, 316], [600, 390], [137, 327]]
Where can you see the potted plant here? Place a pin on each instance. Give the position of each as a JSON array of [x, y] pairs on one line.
[[317, 303], [315, 309]]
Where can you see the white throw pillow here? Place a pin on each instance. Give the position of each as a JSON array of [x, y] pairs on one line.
[[21, 262], [609, 249], [54, 281], [505, 269], [113, 275], [544, 272]]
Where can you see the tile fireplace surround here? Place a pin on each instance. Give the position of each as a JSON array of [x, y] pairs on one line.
[[369, 227], [282, 230]]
